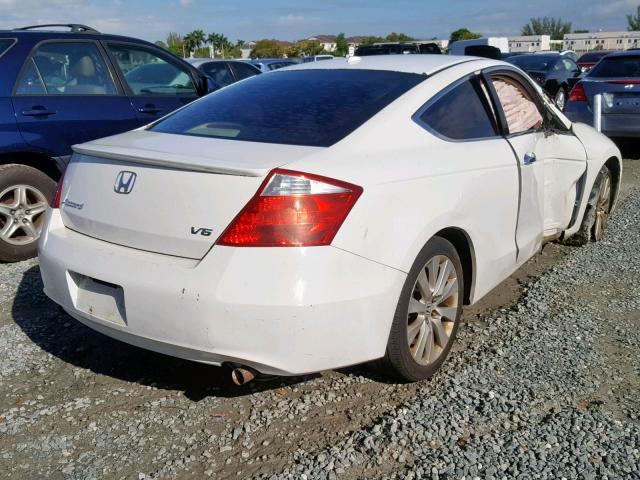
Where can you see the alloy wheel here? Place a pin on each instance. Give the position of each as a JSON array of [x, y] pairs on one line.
[[21, 214], [603, 206], [432, 311]]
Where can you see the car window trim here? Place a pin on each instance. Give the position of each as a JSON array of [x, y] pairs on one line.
[[14, 41], [155, 51], [232, 67], [101, 52], [435, 98]]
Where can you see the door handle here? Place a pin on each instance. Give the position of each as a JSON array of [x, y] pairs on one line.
[[149, 109], [529, 158], [38, 112]]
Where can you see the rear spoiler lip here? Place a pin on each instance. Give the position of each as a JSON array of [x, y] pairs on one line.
[[179, 162]]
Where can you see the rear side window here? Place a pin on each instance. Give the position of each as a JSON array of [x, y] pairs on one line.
[[627, 67], [219, 73], [5, 43], [460, 113], [296, 107], [243, 71], [66, 68]]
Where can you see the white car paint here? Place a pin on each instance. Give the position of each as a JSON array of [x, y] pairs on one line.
[[297, 310]]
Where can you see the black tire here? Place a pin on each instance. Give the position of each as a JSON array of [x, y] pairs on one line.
[[398, 356], [15, 174], [587, 233]]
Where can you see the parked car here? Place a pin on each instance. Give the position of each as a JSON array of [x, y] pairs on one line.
[[224, 72], [617, 78], [397, 48], [555, 73], [317, 58], [460, 47], [589, 59], [59, 88], [346, 215], [269, 64], [565, 53]]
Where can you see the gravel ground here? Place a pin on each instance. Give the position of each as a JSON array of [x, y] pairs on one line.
[[545, 386]]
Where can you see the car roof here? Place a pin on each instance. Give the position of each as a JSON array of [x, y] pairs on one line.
[[196, 62], [625, 53], [422, 64]]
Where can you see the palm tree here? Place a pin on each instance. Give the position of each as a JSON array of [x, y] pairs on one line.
[[224, 42], [213, 39], [189, 43], [198, 37]]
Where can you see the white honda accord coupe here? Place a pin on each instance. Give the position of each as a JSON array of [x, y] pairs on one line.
[[325, 215]]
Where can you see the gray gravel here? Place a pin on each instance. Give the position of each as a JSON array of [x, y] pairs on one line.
[[547, 388]]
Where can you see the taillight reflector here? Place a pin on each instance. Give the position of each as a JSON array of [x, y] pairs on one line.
[[292, 209], [577, 94], [55, 202]]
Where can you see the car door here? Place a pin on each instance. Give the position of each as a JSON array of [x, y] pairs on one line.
[[550, 164], [155, 82], [66, 94]]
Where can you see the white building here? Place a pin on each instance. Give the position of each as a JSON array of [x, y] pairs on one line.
[[530, 43], [328, 42], [584, 42]]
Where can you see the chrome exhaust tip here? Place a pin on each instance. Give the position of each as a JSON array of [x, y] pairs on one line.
[[242, 376]]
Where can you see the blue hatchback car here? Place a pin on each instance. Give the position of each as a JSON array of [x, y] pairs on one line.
[[60, 88]]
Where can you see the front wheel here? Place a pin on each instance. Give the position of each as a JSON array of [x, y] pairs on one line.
[[24, 198], [428, 312]]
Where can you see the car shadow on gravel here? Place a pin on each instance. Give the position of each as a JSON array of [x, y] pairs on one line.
[[55, 332], [629, 147]]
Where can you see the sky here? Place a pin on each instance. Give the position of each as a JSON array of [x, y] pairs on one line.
[[293, 20]]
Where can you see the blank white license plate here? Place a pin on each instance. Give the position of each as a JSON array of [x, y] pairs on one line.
[[99, 299]]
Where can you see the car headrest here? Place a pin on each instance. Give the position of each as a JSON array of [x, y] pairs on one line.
[[84, 67]]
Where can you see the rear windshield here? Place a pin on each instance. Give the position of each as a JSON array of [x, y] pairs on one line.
[[303, 107], [626, 67], [5, 43], [540, 63]]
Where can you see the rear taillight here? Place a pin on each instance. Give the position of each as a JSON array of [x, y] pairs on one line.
[[577, 94], [55, 202], [292, 209]]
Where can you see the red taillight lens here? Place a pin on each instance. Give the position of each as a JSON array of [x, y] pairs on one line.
[[292, 209], [577, 94], [55, 202]]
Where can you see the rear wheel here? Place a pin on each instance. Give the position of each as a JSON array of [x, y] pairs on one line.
[[596, 215], [428, 312], [24, 198]]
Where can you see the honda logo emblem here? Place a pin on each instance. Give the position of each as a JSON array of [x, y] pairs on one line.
[[125, 182]]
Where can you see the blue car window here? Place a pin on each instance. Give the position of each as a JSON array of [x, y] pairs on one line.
[[66, 68], [295, 107], [219, 72]]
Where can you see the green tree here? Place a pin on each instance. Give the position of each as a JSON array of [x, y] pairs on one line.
[[189, 44], [463, 34], [371, 40], [342, 47], [581, 30], [267, 49], [556, 27], [634, 21], [399, 37], [161, 44], [175, 44]]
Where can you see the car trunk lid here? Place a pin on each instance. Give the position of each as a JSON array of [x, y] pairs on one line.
[[619, 95], [164, 193]]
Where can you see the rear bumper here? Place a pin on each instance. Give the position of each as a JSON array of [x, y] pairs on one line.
[[613, 125], [283, 311]]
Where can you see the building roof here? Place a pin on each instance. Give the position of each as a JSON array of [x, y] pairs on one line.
[[422, 64], [324, 38]]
